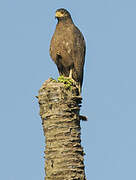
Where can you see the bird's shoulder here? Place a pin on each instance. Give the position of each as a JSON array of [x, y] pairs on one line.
[[78, 36]]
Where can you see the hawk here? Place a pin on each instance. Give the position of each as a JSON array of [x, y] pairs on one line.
[[67, 48]]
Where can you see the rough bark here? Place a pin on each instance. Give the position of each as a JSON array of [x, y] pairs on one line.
[[59, 110]]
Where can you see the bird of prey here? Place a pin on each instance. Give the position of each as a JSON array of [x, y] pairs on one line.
[[67, 48]]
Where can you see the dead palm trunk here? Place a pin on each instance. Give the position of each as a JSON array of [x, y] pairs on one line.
[[59, 110]]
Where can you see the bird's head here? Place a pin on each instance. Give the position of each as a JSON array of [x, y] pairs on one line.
[[62, 14]]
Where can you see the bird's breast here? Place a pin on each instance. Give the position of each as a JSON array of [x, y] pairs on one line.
[[62, 44]]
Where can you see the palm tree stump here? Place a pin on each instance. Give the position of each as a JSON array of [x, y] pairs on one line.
[[59, 110]]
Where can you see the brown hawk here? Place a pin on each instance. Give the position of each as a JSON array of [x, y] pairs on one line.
[[67, 48]]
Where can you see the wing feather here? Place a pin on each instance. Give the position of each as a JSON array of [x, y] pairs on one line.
[[79, 54]]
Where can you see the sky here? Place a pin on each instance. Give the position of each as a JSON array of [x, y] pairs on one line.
[[109, 87]]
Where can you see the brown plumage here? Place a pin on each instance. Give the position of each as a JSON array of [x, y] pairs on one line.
[[67, 48]]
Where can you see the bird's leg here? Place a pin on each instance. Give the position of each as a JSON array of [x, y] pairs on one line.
[[70, 73], [79, 89]]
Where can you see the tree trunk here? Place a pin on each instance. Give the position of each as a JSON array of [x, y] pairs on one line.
[[59, 110]]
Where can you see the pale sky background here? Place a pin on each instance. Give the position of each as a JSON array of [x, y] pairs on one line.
[[109, 89]]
